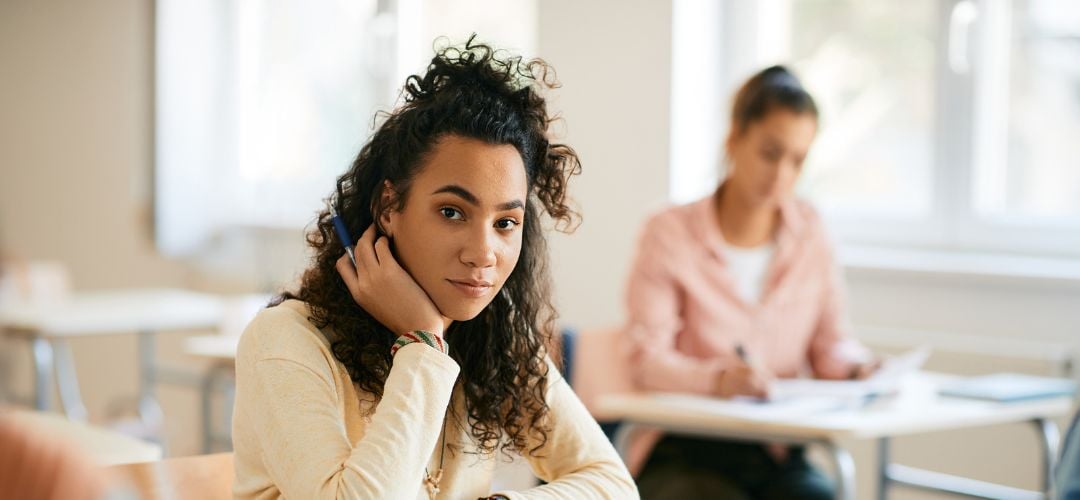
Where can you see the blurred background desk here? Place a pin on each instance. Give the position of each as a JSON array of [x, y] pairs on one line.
[[48, 325], [917, 409], [220, 351]]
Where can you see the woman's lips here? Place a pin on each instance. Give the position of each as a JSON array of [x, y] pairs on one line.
[[474, 289]]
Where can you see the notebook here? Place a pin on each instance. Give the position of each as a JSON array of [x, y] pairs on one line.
[[1009, 387]]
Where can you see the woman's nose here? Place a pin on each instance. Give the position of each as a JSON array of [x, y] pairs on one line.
[[479, 251]]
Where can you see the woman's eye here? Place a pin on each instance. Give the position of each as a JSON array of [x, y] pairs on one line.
[[451, 213], [506, 224]]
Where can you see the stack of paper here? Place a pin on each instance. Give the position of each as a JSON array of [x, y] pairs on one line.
[[885, 381]]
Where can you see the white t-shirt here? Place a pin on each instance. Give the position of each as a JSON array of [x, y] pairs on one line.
[[748, 268]]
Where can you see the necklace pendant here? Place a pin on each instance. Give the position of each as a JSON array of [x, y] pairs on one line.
[[432, 483]]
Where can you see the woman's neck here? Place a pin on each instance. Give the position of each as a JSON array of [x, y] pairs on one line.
[[743, 224]]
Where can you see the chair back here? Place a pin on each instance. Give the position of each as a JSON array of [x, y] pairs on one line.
[[600, 366]]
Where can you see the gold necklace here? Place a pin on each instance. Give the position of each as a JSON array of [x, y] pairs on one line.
[[432, 482]]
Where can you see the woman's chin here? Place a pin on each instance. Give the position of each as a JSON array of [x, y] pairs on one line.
[[460, 311]]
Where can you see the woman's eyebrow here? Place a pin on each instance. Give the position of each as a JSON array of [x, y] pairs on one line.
[[772, 142], [470, 198], [460, 192]]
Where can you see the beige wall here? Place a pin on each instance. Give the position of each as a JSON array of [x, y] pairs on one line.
[[75, 177], [75, 139]]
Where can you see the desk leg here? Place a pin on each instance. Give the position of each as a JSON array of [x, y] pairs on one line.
[[206, 393], [44, 366], [149, 408], [68, 382], [1051, 438], [622, 439], [845, 470], [228, 401], [221, 376], [883, 469]]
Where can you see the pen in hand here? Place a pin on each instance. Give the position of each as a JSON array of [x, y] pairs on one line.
[[744, 355], [759, 372], [343, 234]]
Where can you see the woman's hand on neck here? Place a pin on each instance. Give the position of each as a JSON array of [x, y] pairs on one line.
[[744, 224]]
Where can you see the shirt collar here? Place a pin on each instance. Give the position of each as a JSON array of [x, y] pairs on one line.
[[792, 223]]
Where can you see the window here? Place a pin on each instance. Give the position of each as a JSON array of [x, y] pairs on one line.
[[260, 105], [1026, 166], [946, 124]]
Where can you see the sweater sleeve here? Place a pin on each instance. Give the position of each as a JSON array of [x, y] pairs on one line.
[[577, 460], [293, 402], [833, 352], [654, 306]]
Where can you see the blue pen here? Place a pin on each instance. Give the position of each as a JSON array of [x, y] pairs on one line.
[[343, 234]]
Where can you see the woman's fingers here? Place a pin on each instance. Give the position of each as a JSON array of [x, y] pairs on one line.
[[365, 251], [755, 382], [385, 290], [742, 380], [865, 370], [761, 387], [347, 272], [383, 253]]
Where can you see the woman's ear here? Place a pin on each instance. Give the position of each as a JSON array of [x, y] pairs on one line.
[[729, 141], [387, 201]]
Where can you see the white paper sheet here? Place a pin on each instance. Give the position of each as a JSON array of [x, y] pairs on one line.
[[886, 380]]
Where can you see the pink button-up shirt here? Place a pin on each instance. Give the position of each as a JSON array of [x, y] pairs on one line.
[[686, 317]]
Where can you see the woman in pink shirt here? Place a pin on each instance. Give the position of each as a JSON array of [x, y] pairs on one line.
[[748, 268]]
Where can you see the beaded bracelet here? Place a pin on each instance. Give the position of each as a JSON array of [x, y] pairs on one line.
[[419, 336]]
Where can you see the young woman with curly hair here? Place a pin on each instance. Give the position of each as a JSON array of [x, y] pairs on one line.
[[409, 374]]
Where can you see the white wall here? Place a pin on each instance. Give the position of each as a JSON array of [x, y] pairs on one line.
[[614, 61], [1034, 309]]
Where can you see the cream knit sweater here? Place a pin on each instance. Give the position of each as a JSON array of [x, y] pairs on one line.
[[302, 429]]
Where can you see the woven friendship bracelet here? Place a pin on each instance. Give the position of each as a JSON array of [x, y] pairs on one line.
[[419, 336]]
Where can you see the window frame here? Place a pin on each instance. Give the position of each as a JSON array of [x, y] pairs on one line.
[[953, 222]]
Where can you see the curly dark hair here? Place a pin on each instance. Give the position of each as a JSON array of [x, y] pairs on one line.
[[477, 92]]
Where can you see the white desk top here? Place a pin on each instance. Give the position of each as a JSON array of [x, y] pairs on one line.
[[104, 446], [218, 347], [115, 311], [917, 409]]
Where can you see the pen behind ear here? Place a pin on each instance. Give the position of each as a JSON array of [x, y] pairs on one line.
[[343, 234]]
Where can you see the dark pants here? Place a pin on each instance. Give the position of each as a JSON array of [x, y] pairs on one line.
[[690, 468]]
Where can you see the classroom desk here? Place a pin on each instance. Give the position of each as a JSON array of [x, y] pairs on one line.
[[48, 327], [104, 446], [917, 409], [220, 350]]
